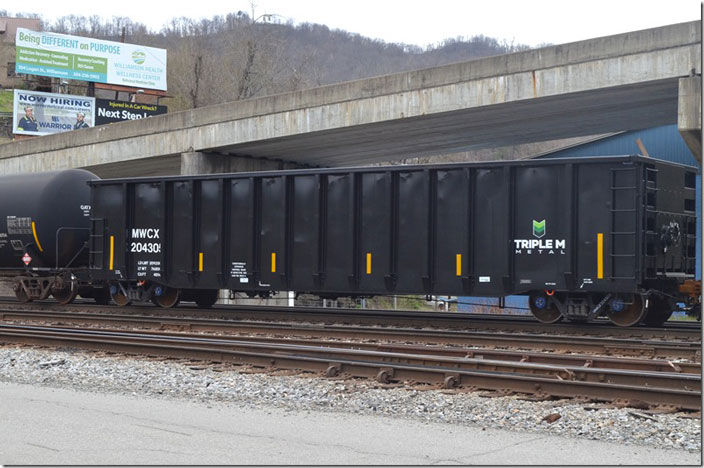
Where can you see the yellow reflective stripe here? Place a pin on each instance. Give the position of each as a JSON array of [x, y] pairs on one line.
[[600, 255], [36, 239], [458, 264], [369, 263], [200, 261], [112, 251], [273, 262]]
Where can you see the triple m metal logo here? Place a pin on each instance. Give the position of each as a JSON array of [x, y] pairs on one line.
[[540, 245]]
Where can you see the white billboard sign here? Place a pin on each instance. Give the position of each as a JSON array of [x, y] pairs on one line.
[[36, 113]]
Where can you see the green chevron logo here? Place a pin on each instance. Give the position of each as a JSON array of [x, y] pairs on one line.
[[538, 228], [138, 57]]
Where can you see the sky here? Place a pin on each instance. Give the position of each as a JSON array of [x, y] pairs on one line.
[[416, 22]]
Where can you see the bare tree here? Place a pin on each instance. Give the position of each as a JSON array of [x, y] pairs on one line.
[[191, 67], [244, 55]]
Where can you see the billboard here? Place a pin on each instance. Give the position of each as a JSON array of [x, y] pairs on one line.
[[37, 113], [86, 59], [109, 111]]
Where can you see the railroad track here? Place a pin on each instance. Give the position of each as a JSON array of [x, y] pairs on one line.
[[661, 384], [423, 319], [616, 346]]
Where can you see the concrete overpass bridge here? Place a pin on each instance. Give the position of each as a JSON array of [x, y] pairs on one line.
[[628, 81]]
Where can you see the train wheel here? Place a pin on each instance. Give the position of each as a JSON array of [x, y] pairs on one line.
[[206, 298], [626, 311], [64, 295], [21, 294], [544, 310], [118, 297], [658, 312], [168, 298]]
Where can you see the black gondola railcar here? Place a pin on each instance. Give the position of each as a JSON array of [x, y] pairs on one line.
[[584, 237]]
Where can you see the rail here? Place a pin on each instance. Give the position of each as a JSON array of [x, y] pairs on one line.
[[680, 390]]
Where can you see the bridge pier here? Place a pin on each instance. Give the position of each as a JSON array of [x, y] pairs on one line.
[[689, 114]]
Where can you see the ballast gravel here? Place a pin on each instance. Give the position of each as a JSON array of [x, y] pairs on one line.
[[88, 371]]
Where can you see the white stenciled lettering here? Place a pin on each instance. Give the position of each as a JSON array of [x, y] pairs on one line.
[[146, 247], [145, 233], [540, 246]]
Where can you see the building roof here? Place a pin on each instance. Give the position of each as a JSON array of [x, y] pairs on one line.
[[8, 27], [661, 142]]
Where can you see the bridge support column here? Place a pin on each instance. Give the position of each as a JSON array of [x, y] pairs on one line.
[[213, 163], [689, 114]]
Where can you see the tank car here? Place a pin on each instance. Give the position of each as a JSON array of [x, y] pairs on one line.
[[44, 233], [583, 237]]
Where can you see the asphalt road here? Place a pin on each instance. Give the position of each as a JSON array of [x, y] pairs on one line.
[[47, 426]]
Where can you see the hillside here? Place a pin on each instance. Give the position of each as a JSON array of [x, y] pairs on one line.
[[230, 58], [233, 57]]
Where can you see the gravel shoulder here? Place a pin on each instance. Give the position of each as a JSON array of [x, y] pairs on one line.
[[196, 382]]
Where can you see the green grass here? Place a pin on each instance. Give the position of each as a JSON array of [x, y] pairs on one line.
[[683, 318], [403, 303], [6, 99]]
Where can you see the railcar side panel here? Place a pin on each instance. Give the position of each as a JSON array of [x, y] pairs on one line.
[[304, 224], [451, 219], [208, 249], [413, 236], [375, 233], [110, 231], [540, 243], [179, 242], [272, 233], [242, 233], [491, 232], [145, 247], [341, 243]]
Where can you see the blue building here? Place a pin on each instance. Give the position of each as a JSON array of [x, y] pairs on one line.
[[660, 142]]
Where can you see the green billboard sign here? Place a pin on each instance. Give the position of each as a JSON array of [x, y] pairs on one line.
[[86, 59]]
